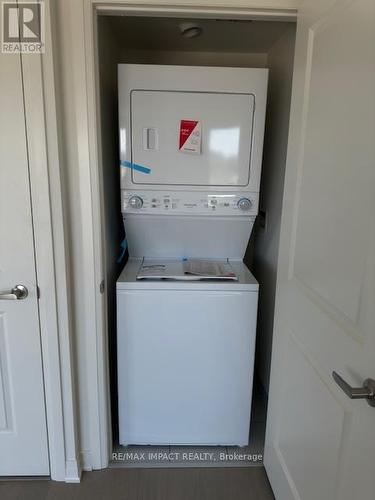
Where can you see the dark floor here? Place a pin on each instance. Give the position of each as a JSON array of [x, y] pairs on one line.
[[148, 484]]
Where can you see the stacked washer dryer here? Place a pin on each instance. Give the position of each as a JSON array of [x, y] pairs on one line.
[[191, 142]]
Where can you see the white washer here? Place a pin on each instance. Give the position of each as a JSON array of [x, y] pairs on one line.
[[185, 359], [191, 143]]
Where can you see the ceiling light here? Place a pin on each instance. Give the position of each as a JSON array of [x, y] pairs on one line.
[[190, 30]]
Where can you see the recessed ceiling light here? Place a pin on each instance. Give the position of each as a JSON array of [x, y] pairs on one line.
[[190, 30]]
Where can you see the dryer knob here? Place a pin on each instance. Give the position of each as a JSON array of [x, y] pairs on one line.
[[244, 204], [135, 202]]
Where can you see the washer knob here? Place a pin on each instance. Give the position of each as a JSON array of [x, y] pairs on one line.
[[135, 202], [244, 204]]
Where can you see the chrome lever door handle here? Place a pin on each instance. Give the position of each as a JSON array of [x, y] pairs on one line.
[[367, 391], [19, 292]]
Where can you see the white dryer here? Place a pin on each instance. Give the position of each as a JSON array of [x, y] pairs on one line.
[[191, 147]]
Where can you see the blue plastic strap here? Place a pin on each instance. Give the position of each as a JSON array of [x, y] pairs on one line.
[[135, 166], [124, 246]]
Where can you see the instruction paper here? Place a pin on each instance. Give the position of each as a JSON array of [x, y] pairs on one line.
[[187, 270]]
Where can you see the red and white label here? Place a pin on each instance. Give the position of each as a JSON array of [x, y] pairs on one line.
[[190, 136]]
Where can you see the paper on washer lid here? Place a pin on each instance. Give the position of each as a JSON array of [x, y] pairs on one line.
[[187, 270]]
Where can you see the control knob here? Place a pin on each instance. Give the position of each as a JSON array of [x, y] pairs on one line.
[[135, 202], [244, 204]]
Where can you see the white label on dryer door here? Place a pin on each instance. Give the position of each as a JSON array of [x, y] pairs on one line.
[[190, 139]]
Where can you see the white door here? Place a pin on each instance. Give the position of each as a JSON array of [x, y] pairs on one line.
[[320, 444], [23, 433]]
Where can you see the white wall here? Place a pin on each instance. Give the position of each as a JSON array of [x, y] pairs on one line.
[[81, 223], [72, 179], [266, 241], [194, 58]]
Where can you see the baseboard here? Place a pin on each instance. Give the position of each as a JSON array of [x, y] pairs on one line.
[[73, 472]]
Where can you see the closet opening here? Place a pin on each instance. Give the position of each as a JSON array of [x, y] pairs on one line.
[[126, 39]]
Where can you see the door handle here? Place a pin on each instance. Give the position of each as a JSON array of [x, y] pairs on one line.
[[19, 292], [367, 391]]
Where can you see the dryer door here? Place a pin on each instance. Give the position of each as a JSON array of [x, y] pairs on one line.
[[192, 138]]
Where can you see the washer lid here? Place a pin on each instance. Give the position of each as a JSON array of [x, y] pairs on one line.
[[191, 138], [128, 280], [175, 237]]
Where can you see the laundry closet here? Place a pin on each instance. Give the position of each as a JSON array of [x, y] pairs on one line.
[[226, 43]]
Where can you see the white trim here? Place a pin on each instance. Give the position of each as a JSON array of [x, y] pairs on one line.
[[89, 314], [86, 461], [85, 79], [97, 189], [73, 471], [100, 447], [51, 262], [264, 14], [262, 9]]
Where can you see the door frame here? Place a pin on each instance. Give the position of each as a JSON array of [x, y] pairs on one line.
[[39, 79], [87, 77]]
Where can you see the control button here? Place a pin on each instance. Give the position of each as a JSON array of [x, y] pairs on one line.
[[135, 202], [244, 204], [214, 201]]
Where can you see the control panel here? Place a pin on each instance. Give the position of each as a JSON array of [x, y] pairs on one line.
[[195, 203]]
